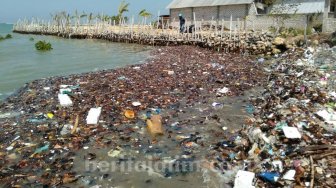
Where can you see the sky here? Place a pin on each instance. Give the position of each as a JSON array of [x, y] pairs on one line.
[[12, 10]]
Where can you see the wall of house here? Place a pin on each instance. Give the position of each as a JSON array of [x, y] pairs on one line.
[[206, 13], [247, 15], [329, 25], [210, 14], [264, 22], [237, 11]]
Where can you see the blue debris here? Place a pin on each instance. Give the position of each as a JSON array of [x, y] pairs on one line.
[[41, 149], [270, 176], [249, 109]]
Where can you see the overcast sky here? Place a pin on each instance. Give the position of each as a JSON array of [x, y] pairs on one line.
[[12, 10]]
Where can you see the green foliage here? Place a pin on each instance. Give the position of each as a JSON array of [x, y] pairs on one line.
[[333, 41], [123, 7], [8, 36], [289, 32], [318, 27], [269, 2], [43, 46], [144, 13]]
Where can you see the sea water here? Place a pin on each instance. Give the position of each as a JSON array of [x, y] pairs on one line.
[[20, 62]]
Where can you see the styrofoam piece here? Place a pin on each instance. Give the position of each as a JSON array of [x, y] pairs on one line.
[[244, 179], [289, 175], [329, 117], [136, 103], [224, 90], [291, 132], [64, 100], [93, 116]]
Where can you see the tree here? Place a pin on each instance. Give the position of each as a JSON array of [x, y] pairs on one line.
[[269, 2], [123, 7], [144, 14], [90, 17], [76, 16]]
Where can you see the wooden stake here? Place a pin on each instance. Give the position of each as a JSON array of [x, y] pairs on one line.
[[312, 172]]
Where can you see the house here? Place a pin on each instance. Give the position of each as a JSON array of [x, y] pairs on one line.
[[254, 14], [208, 10]]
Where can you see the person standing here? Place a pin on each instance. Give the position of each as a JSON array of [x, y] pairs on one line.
[[182, 23]]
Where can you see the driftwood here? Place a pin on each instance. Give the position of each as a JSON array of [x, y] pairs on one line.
[[318, 157], [314, 150]]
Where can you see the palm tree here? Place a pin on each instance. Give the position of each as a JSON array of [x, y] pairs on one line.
[[83, 15], [76, 17], [90, 17], [144, 14], [123, 7]]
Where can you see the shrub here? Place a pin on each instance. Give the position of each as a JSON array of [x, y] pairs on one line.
[[1, 38], [8, 36], [318, 27], [43, 46]]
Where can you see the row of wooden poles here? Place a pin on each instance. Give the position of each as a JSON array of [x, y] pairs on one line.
[[208, 34]]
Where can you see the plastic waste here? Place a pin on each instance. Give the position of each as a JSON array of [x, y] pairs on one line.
[[329, 117], [136, 104], [93, 116], [50, 115], [270, 176], [129, 114], [289, 175], [249, 109], [65, 91], [41, 149], [64, 100], [278, 165], [217, 105], [261, 60], [36, 120], [171, 72], [9, 115], [291, 132], [224, 90], [154, 125], [114, 152], [66, 129], [244, 179]]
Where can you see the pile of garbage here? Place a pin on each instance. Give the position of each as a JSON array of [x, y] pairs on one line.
[[178, 103], [289, 140], [50, 122]]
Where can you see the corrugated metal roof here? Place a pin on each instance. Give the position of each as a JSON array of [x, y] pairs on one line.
[[205, 3], [298, 7]]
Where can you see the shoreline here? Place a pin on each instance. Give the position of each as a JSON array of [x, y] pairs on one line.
[[194, 90], [255, 43]]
